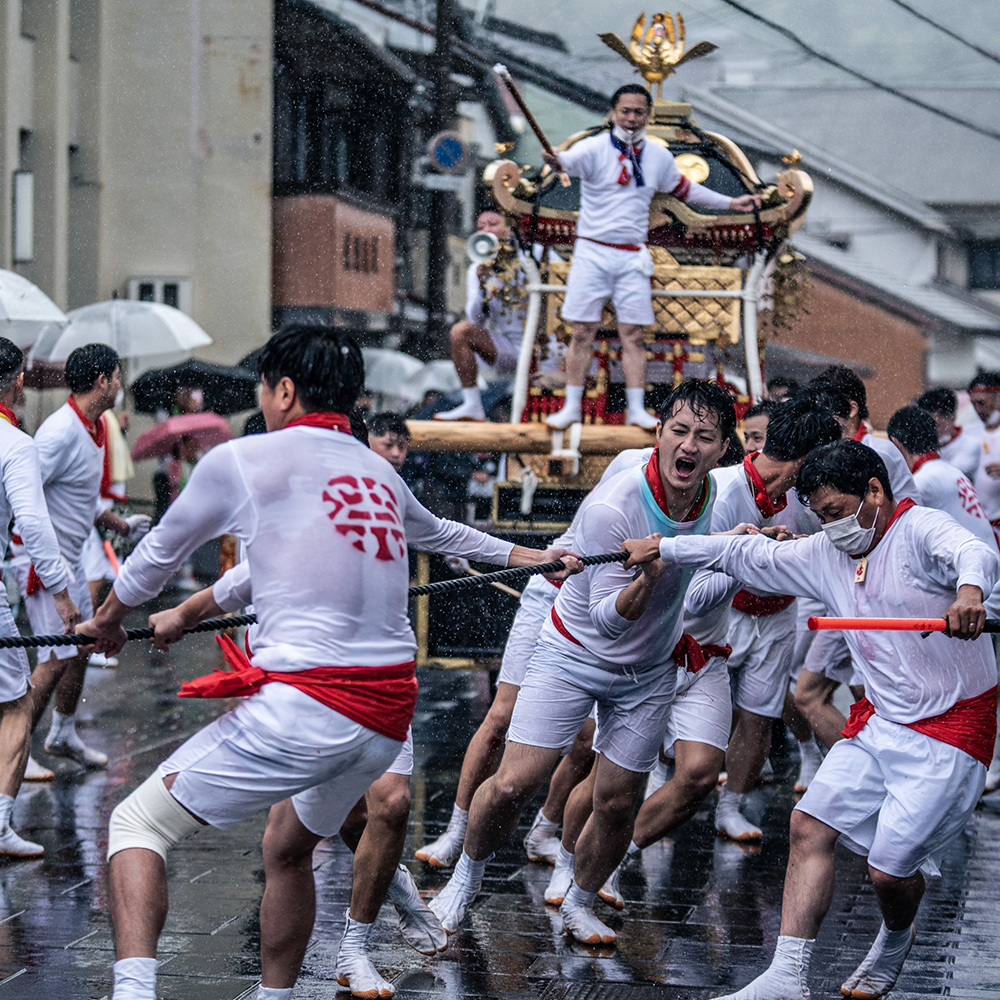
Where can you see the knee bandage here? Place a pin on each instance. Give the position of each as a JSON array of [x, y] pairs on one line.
[[150, 818]]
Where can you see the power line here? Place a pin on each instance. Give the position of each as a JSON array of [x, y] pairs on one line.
[[877, 84], [947, 31]]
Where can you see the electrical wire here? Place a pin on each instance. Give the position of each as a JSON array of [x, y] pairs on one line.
[[947, 31], [871, 81]]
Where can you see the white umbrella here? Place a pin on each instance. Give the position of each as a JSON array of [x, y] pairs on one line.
[[146, 334], [25, 310]]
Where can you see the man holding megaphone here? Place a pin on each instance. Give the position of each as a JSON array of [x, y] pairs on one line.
[[494, 317]]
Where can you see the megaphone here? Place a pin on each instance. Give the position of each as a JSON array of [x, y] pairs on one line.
[[481, 247]]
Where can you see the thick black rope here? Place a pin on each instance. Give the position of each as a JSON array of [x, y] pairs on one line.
[[234, 621]]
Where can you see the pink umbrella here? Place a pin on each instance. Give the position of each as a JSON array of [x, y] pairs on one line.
[[205, 429]]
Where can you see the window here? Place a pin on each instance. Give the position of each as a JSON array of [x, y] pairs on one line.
[[174, 292], [984, 264]]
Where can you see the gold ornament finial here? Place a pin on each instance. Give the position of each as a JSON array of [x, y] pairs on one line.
[[790, 159], [503, 147], [657, 51]]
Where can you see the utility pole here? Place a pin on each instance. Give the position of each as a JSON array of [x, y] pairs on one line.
[[437, 236]]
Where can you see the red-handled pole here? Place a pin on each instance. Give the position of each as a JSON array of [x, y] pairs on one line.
[[891, 624]]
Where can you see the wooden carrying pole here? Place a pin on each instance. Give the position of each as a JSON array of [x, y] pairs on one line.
[[523, 439]]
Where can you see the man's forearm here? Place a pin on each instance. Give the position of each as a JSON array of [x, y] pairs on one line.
[[110, 520], [634, 599], [112, 611]]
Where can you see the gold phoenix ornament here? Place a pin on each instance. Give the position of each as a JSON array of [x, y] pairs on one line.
[[657, 51]]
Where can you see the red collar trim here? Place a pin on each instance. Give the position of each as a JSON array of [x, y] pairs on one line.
[[96, 433], [901, 508], [656, 486], [766, 506], [8, 414], [861, 433], [957, 434], [923, 460], [326, 419]]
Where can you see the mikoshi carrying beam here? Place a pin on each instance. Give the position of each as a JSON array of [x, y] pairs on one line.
[[891, 624]]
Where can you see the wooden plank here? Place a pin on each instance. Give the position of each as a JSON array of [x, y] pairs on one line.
[[529, 439]]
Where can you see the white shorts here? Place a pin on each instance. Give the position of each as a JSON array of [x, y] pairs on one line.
[[403, 764], [236, 767], [895, 795], [96, 564], [599, 273], [702, 711], [41, 607], [558, 692], [761, 661], [520, 646], [829, 656], [15, 674]]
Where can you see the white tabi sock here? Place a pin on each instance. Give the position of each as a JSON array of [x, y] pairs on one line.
[[580, 897], [135, 979], [472, 397], [459, 821], [63, 727], [633, 849], [565, 859], [6, 808], [786, 978], [469, 873], [545, 825], [636, 399], [269, 993], [574, 398]]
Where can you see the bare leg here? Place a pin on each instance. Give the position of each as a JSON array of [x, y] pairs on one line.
[[500, 800], [15, 740], [381, 845], [795, 720], [468, 340], [571, 770], [812, 697], [44, 679], [288, 909], [809, 877], [487, 745], [633, 355], [137, 885], [747, 751], [695, 775], [606, 835], [899, 898], [580, 352], [579, 806], [70, 685]]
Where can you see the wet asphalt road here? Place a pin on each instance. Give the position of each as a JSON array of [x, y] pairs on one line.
[[701, 915]]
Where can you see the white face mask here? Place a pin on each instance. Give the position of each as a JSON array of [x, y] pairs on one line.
[[119, 399], [847, 534], [630, 137]]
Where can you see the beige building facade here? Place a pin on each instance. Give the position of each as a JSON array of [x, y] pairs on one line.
[[135, 156]]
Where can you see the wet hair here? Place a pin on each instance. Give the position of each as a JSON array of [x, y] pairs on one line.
[[631, 88], [734, 453], [324, 364], [11, 363], [939, 401], [762, 409], [358, 426], [985, 381], [703, 397], [825, 396], [87, 364], [780, 382], [845, 466], [796, 427], [388, 423], [847, 381], [914, 428]]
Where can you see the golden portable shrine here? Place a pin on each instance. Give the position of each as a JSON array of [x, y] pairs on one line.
[[709, 272]]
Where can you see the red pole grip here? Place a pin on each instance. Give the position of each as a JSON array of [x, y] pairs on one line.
[[880, 624]]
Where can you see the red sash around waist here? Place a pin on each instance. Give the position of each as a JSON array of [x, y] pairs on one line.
[[34, 583], [760, 607], [563, 631], [633, 247], [692, 655], [970, 724], [382, 699]]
